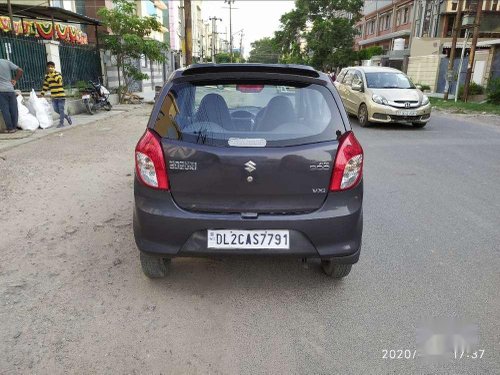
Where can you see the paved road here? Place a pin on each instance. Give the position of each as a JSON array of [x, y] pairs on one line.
[[73, 298]]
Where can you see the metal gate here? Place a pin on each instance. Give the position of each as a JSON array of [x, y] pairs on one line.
[[443, 68], [29, 54], [79, 63]]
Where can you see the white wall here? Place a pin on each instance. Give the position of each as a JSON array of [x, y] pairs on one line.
[[424, 69]]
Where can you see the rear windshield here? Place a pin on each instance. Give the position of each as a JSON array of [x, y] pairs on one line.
[[249, 114]]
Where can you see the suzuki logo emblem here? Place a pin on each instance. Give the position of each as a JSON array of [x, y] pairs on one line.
[[250, 166], [407, 104]]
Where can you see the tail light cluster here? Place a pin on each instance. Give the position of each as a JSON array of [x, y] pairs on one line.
[[150, 163], [152, 171], [348, 166]]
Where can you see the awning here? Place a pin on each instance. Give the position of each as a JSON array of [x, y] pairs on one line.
[[47, 14], [395, 34]]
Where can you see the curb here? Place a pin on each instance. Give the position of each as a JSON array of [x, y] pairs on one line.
[[42, 133]]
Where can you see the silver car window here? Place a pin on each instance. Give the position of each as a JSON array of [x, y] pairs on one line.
[[388, 80], [348, 78], [357, 79], [341, 75]]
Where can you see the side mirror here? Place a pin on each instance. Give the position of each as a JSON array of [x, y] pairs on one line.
[[357, 87], [418, 87]]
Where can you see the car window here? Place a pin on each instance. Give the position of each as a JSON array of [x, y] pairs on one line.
[[341, 76], [356, 79], [225, 113], [388, 80], [348, 78]]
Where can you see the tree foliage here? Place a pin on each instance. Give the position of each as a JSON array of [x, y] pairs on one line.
[[367, 53], [129, 40], [318, 32], [265, 51], [225, 57]]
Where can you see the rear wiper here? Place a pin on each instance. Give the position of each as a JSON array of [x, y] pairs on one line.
[[202, 136]]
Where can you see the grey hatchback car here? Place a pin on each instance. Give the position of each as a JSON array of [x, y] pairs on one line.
[[248, 159]]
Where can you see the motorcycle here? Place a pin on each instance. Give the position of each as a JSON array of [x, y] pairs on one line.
[[96, 97]]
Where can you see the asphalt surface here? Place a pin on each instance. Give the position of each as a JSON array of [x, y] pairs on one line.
[[73, 298]]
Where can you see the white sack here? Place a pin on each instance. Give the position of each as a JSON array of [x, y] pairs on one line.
[[42, 109], [26, 120], [29, 104]]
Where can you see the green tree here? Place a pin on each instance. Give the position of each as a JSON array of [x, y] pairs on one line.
[[129, 40], [291, 36], [265, 50], [319, 33], [367, 53], [225, 58]]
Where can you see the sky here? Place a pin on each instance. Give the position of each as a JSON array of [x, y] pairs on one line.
[[257, 18]]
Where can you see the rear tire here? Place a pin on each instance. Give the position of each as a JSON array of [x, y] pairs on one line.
[[153, 267], [363, 116], [419, 124], [335, 270]]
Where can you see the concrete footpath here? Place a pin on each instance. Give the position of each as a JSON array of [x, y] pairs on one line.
[[8, 141]]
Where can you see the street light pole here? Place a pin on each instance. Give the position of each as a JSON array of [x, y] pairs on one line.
[[466, 39], [456, 31], [479, 11]]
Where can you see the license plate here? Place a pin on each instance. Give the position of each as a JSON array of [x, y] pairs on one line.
[[406, 113], [248, 239], [85, 96]]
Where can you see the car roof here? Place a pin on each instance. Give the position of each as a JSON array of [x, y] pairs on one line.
[[374, 69], [210, 68]]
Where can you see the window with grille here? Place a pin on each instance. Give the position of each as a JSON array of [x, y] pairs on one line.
[[388, 21], [406, 15]]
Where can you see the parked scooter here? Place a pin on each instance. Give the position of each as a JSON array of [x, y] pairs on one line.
[[96, 97]]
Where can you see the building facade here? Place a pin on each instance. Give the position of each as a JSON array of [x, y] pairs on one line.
[[383, 22]]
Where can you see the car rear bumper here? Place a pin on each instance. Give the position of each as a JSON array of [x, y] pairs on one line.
[[334, 231], [387, 114]]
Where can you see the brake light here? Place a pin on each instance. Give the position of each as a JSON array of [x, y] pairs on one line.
[[348, 166], [149, 161], [249, 88]]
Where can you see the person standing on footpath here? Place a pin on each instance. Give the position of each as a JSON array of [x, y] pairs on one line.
[[54, 82], [8, 101]]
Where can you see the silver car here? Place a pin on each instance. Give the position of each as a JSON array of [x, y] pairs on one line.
[[384, 95]]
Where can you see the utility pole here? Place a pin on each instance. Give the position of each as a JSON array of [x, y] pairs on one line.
[[479, 11], [11, 16], [214, 34], [188, 32], [456, 31], [241, 44], [230, 2]]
